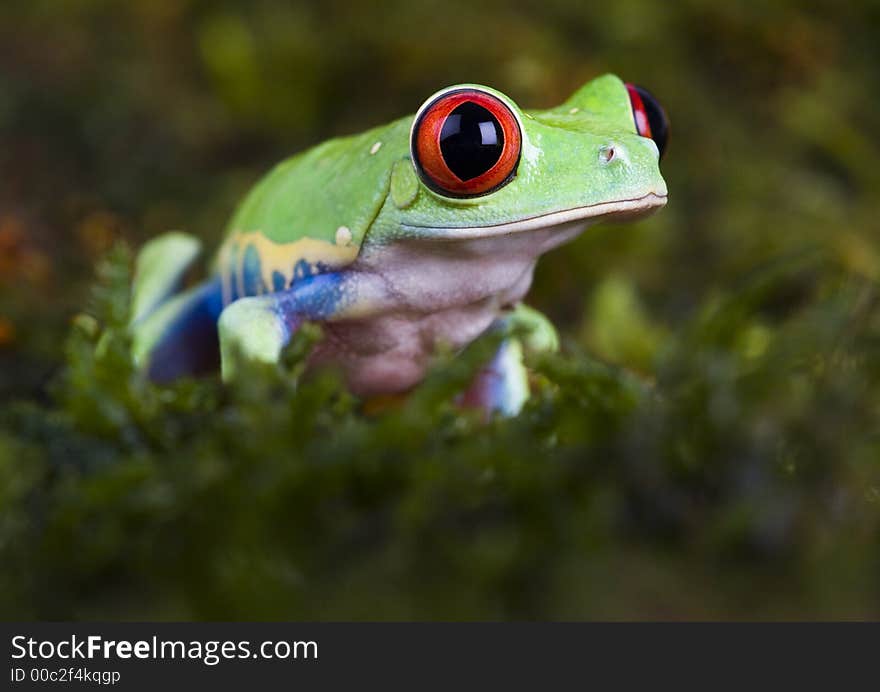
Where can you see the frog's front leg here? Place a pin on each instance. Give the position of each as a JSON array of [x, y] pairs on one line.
[[503, 386], [259, 327]]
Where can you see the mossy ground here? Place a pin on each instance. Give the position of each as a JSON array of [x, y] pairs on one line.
[[706, 445]]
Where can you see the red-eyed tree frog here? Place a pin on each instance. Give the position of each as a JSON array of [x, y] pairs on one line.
[[420, 232]]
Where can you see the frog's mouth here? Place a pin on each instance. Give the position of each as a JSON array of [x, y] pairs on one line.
[[620, 210]]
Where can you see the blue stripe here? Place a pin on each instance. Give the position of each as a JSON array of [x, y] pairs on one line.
[[252, 270]]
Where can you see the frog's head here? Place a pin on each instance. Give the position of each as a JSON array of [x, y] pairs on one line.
[[486, 168]]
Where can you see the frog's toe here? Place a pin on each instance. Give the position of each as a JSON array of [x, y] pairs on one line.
[[537, 332]]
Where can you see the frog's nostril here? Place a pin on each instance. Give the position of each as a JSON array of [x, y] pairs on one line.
[[607, 153]]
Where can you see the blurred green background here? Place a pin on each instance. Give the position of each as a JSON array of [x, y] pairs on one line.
[[706, 446]]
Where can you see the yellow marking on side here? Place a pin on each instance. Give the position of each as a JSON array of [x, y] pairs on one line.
[[281, 257]]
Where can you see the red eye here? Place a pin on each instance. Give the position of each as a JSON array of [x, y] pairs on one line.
[[465, 143], [651, 120]]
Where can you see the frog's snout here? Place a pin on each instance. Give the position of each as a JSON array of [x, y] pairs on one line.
[[633, 165], [616, 152]]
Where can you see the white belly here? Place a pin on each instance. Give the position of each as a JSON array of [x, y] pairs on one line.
[[437, 293]]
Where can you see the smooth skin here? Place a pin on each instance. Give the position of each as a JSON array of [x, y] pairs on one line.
[[348, 235]]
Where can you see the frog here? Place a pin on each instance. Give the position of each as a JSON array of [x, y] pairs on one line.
[[419, 235]]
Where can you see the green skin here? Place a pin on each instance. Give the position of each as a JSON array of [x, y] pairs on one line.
[[347, 235]]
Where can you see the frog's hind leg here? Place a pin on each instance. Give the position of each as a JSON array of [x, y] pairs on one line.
[[180, 336], [173, 334], [502, 386], [159, 270]]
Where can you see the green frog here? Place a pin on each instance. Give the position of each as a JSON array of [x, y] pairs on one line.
[[420, 232]]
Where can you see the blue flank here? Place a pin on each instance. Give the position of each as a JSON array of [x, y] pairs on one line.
[[252, 274], [302, 270], [278, 281], [252, 283], [233, 274]]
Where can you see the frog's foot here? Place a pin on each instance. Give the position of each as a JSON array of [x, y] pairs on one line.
[[257, 328], [503, 385], [537, 332], [159, 270]]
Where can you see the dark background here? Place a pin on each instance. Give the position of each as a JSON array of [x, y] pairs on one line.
[[707, 445]]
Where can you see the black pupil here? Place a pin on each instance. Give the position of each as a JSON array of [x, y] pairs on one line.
[[471, 140], [656, 118]]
